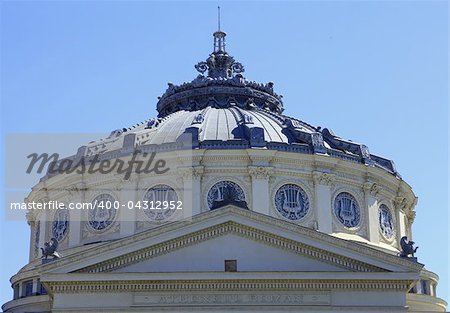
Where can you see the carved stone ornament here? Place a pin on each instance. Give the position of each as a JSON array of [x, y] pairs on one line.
[[76, 188], [323, 178], [222, 87], [317, 139], [260, 172], [371, 188], [191, 173], [401, 202]]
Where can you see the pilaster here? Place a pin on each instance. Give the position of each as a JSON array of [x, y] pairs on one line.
[[77, 194], [127, 217], [260, 188], [191, 180], [371, 189], [323, 183]]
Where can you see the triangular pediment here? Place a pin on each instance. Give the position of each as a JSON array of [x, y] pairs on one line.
[[257, 242], [250, 256]]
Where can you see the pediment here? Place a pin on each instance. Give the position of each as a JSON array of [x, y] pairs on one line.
[[257, 242], [250, 256]]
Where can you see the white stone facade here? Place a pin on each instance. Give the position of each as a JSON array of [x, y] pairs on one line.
[[260, 261]]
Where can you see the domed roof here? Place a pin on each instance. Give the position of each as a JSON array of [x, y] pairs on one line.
[[220, 109]]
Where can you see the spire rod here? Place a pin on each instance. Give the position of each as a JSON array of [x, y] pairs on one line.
[[218, 17], [219, 36]]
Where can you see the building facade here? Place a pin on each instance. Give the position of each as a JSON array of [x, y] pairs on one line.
[[277, 215]]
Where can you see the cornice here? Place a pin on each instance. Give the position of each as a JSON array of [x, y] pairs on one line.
[[225, 285]]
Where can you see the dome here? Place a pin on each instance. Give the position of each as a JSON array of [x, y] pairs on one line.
[[233, 127], [232, 139], [220, 109], [231, 133]]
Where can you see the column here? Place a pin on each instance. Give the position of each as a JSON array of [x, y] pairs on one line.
[[260, 188], [322, 200], [35, 286]]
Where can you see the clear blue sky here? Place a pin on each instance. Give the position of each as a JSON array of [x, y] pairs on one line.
[[374, 72]]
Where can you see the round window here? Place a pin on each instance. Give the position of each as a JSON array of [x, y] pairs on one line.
[[386, 221], [160, 202], [60, 224], [225, 192], [103, 213], [292, 202], [347, 210]]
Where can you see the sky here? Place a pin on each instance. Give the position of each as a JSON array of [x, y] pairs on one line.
[[375, 72]]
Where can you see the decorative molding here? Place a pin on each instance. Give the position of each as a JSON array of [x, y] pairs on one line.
[[226, 285]]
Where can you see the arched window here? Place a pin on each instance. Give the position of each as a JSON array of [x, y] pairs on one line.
[[226, 192]]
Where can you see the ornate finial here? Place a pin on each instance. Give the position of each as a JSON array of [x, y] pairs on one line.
[[220, 84], [220, 65]]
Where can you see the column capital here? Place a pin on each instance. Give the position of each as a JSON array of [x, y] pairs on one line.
[[75, 188], [260, 172], [192, 172], [401, 202], [323, 178], [371, 188]]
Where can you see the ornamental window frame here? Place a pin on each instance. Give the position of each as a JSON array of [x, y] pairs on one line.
[[142, 197], [301, 190], [223, 181], [306, 220], [66, 234], [362, 209], [113, 222], [394, 222], [216, 179]]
